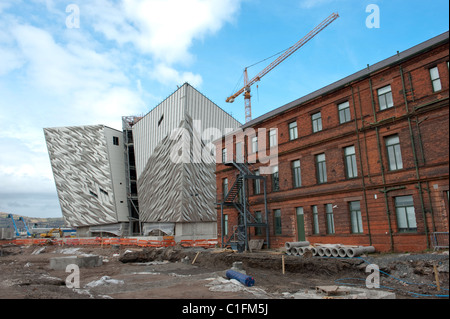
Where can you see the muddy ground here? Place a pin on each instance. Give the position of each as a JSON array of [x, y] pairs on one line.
[[168, 273]]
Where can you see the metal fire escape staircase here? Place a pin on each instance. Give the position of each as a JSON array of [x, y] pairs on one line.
[[237, 198]]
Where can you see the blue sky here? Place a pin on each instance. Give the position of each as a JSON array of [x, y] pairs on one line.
[[129, 55]]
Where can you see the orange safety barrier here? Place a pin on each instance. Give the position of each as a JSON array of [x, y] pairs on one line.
[[168, 241], [114, 241], [73, 242], [186, 243]]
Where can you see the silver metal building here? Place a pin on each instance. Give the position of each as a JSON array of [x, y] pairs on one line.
[[154, 178], [175, 165], [89, 172]]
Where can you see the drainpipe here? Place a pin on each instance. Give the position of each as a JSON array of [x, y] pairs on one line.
[[386, 203], [424, 161], [362, 169], [413, 146], [364, 134], [221, 223]]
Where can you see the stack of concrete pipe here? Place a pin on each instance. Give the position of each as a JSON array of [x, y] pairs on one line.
[[327, 250], [293, 248]]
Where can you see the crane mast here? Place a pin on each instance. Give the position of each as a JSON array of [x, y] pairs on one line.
[[246, 89]]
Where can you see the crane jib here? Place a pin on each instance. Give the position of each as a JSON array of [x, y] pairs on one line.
[[280, 59]]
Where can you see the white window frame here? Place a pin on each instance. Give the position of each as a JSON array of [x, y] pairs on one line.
[[293, 131], [344, 112], [435, 79], [385, 97], [394, 152]]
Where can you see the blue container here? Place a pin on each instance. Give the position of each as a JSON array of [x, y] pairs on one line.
[[242, 278]]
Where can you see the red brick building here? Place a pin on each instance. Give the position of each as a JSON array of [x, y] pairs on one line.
[[363, 161]]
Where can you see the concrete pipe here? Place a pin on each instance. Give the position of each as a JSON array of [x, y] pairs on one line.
[[297, 251], [314, 251], [305, 249], [321, 251], [335, 251], [342, 252], [354, 252], [327, 251], [289, 245]]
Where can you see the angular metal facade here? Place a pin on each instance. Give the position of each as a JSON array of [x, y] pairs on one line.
[[175, 172], [88, 168], [175, 190]]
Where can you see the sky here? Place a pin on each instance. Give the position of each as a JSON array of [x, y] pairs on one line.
[[83, 62]]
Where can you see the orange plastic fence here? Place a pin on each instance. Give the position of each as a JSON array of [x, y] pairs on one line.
[[168, 241]]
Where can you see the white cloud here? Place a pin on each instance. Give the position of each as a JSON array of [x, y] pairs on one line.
[[163, 28], [167, 75], [9, 61], [63, 68], [54, 76]]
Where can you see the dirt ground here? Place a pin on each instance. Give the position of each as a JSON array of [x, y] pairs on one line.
[[168, 273]]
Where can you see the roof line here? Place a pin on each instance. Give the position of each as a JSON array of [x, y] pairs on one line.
[[399, 57]]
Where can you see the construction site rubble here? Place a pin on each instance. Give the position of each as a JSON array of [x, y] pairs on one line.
[[160, 272]]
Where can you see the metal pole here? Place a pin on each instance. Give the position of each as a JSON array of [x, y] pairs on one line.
[[244, 199], [266, 212]]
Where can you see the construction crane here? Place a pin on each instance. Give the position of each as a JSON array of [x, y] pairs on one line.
[[15, 226], [246, 89]]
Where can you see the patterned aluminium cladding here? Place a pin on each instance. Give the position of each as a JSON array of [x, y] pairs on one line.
[[170, 191], [167, 116], [82, 171]]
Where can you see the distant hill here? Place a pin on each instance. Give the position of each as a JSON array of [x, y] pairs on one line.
[[32, 222]]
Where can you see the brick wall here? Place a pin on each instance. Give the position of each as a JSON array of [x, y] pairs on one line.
[[421, 123]]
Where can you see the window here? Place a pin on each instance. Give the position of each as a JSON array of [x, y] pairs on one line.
[[225, 225], [355, 217], [225, 187], [115, 140], [224, 155], [406, 216], [160, 120], [296, 174], [275, 179], [317, 122], [330, 218], [256, 184], [344, 112], [385, 98], [293, 132], [239, 153], [350, 162], [321, 169], [435, 80], [272, 137], [258, 218], [254, 144], [277, 221], [394, 152], [315, 220]]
